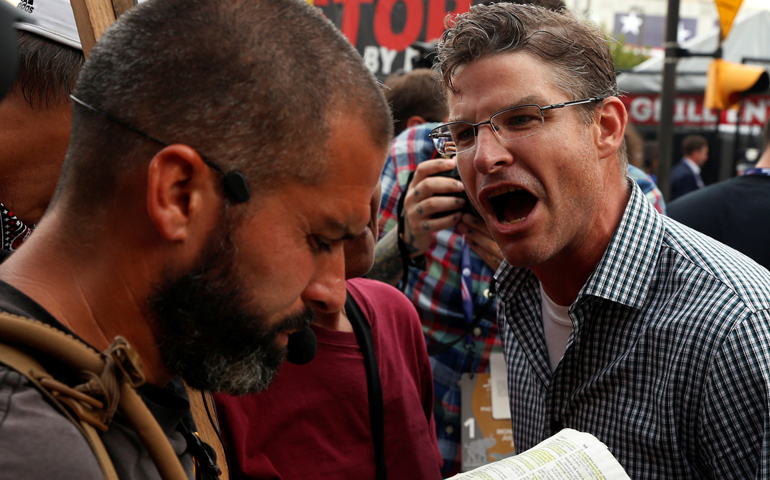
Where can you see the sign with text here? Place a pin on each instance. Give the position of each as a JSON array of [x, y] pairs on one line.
[[644, 109], [383, 31]]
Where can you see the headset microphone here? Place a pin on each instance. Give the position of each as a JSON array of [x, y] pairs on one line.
[[302, 346]]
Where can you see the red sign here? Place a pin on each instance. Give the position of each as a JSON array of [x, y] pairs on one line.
[[644, 109], [418, 16], [384, 30]]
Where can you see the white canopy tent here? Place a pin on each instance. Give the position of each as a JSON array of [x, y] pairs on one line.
[[748, 38]]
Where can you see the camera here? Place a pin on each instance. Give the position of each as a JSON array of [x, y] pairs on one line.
[[467, 208], [427, 56]]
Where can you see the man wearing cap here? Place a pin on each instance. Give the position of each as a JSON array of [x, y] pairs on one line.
[[35, 117], [190, 218]]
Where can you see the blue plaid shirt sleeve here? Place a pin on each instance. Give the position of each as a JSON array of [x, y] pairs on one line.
[[650, 190], [436, 293], [411, 147]]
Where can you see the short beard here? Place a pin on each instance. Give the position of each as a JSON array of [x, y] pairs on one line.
[[209, 334]]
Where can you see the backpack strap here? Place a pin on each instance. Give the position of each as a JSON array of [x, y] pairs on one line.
[[363, 332], [207, 430], [30, 368], [114, 374]]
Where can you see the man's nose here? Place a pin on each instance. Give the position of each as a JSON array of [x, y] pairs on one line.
[[490, 152], [326, 292]]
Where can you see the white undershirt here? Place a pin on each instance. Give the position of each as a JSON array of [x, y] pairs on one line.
[[557, 327]]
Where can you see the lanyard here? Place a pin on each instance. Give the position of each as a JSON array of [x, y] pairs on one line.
[[467, 282], [471, 320], [467, 294], [757, 171]]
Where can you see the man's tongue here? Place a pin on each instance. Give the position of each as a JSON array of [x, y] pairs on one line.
[[516, 206]]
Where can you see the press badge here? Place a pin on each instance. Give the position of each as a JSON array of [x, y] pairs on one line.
[[484, 438]]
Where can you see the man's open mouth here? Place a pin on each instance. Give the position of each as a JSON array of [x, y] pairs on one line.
[[511, 204]]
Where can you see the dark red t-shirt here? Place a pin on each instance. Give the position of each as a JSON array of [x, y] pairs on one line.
[[313, 421]]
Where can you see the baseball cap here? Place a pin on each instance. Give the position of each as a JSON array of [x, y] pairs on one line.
[[9, 47], [53, 19]]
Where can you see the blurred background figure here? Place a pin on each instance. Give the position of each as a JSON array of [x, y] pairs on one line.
[[634, 146], [651, 159], [415, 99], [439, 247], [635, 154], [734, 211], [745, 159], [685, 176]]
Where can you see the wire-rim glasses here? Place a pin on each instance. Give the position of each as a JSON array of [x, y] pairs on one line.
[[509, 124]]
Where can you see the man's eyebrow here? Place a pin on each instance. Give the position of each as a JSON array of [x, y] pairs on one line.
[[528, 100], [342, 231]]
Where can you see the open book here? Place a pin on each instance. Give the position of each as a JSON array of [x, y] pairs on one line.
[[567, 455]]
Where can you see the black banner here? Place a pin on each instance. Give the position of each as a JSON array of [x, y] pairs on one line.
[[385, 31]]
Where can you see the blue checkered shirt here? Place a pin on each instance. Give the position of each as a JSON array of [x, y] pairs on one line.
[[669, 361], [436, 293]]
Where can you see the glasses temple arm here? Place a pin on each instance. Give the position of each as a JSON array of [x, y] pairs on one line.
[[128, 126], [573, 102]]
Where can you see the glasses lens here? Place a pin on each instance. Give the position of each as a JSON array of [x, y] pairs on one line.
[[463, 135], [442, 139], [518, 122]]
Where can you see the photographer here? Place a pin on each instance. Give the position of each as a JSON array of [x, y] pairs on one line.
[[447, 244]]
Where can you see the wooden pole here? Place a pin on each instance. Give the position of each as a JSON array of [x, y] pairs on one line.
[[94, 16]]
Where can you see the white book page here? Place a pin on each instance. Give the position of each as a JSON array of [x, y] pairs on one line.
[[567, 455]]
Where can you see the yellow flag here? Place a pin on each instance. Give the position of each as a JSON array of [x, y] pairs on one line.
[[310, 2], [727, 9]]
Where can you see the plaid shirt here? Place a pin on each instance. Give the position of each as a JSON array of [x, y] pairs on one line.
[[436, 292], [669, 361], [649, 188]]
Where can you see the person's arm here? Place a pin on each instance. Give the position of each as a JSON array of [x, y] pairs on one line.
[[387, 262], [425, 197], [734, 430]]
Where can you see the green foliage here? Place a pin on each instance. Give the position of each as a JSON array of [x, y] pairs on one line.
[[626, 58]]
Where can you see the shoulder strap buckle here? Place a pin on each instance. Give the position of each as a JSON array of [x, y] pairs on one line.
[[127, 360]]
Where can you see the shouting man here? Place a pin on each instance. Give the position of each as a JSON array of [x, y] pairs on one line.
[[614, 320]]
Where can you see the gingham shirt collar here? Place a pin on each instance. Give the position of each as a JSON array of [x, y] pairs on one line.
[[623, 273]]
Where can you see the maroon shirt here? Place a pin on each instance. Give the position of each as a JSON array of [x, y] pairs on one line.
[[313, 421]]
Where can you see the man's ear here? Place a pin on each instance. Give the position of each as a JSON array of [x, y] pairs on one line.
[[414, 120], [181, 190], [612, 120]]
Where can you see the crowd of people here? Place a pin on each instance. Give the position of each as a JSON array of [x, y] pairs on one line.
[[211, 193]]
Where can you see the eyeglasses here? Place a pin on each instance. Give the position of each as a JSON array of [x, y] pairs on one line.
[[234, 182], [509, 124]]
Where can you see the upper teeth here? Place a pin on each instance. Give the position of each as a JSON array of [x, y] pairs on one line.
[[503, 190]]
